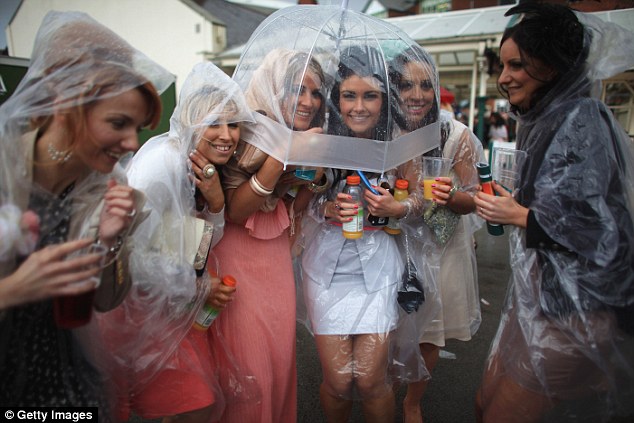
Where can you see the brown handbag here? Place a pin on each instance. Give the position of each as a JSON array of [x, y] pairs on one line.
[[250, 158]]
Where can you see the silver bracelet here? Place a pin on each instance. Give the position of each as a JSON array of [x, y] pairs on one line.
[[452, 191], [113, 252], [258, 188]]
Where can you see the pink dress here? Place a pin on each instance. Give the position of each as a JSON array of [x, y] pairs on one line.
[[258, 326]]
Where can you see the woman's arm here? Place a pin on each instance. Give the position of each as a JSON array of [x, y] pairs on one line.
[[247, 198]]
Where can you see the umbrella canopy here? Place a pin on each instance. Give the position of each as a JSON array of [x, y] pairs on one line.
[[293, 70]]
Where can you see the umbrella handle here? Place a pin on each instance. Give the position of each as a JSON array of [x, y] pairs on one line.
[[367, 184]]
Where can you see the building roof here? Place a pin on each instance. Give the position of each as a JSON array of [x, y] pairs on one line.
[[240, 21], [453, 32], [452, 37]]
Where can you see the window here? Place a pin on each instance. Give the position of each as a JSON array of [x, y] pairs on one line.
[[619, 96]]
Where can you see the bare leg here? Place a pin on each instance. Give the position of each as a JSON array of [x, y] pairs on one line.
[[370, 371], [202, 415], [380, 410], [335, 392], [412, 412], [336, 409], [500, 399]]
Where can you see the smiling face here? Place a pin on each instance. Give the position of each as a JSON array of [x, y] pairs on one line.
[[416, 92], [518, 77], [111, 130], [360, 101], [218, 142], [303, 103]]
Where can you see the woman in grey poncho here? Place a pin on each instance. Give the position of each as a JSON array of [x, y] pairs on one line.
[[563, 350]]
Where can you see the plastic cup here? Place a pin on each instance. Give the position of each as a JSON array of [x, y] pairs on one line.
[[506, 164], [306, 173], [72, 311], [434, 167]]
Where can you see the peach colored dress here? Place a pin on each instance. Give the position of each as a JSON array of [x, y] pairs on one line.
[[258, 326]]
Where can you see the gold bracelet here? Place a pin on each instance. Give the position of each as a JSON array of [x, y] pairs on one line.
[[313, 187]]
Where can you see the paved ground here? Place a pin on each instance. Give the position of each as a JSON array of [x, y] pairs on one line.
[[451, 393], [450, 396]]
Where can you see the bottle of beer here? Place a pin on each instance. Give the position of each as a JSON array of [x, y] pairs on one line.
[[376, 220], [484, 171]]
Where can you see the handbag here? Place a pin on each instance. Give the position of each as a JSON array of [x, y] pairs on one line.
[[442, 221], [250, 158], [410, 292]]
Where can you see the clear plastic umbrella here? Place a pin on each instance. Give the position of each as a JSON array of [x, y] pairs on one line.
[[307, 51]]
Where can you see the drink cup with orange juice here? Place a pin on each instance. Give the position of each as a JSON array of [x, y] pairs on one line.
[[434, 167]]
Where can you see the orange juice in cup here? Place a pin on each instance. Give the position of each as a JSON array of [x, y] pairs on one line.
[[434, 167], [428, 189]]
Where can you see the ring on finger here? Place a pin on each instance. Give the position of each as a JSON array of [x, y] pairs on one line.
[[132, 213], [209, 170], [337, 206]]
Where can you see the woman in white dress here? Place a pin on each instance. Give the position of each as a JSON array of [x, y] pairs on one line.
[[350, 285], [451, 308]]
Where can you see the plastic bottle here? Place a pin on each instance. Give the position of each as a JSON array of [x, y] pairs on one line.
[[354, 228], [484, 171], [400, 193], [207, 313]]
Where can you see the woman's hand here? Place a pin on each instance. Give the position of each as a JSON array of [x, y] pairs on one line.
[[221, 294], [118, 212], [384, 205], [342, 209], [441, 189], [502, 209], [49, 273], [210, 187]]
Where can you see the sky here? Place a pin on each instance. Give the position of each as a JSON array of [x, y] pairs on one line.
[[7, 8]]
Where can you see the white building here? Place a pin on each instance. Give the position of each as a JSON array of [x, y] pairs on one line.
[[175, 33]]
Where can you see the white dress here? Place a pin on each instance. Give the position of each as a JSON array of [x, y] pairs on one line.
[[455, 313], [350, 286]]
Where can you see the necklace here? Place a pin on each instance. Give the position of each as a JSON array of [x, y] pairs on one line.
[[58, 156]]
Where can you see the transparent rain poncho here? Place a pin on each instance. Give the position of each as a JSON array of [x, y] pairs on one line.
[[441, 242], [323, 34], [566, 329], [350, 287], [76, 63], [148, 331], [439, 287]]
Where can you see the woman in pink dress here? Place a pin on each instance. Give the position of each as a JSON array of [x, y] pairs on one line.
[[259, 325]]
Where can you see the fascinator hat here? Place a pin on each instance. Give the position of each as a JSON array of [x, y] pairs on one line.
[[580, 47]]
